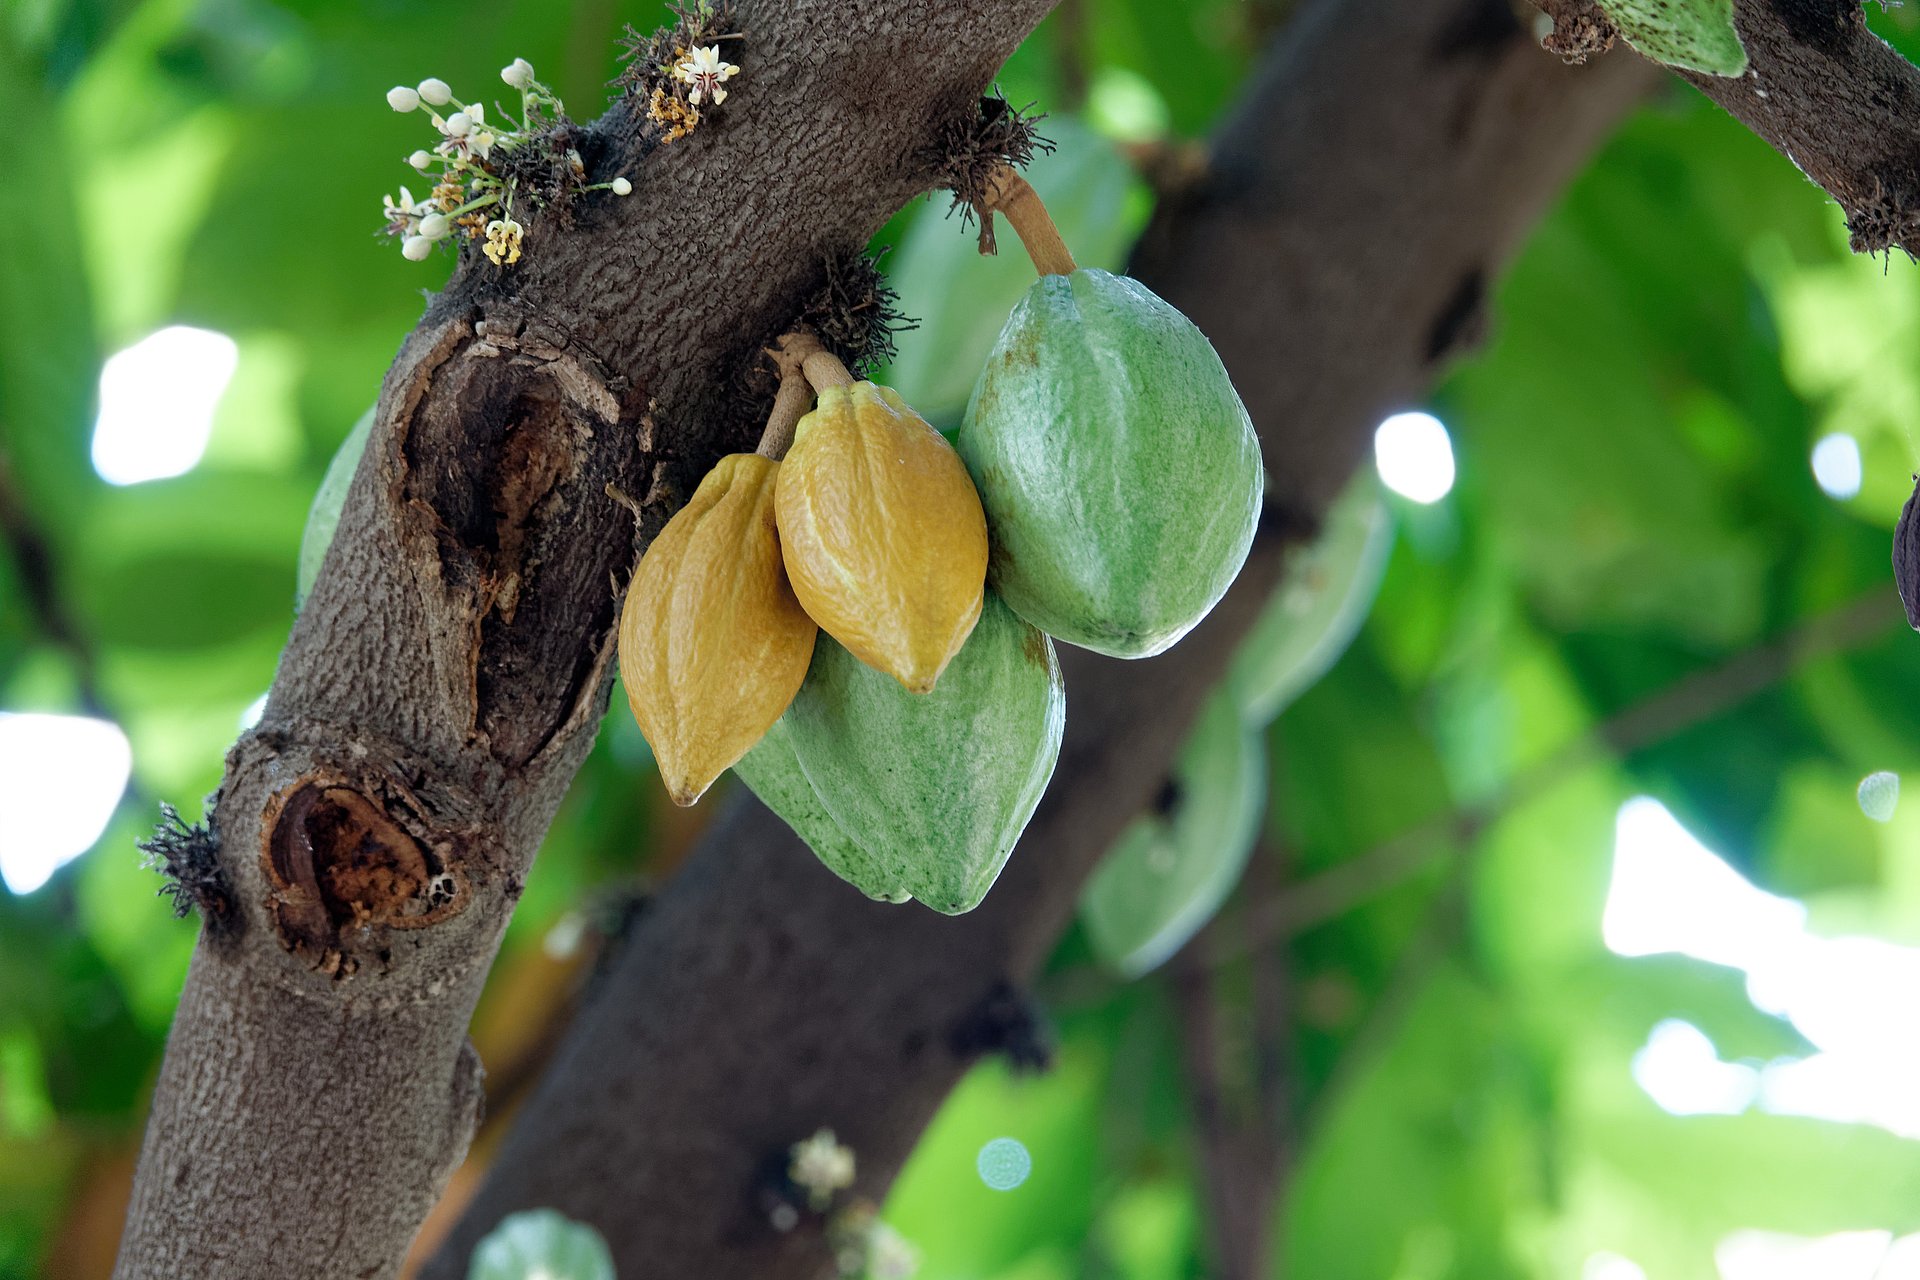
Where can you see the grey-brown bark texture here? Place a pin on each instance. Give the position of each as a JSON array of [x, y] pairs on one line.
[[449, 669], [1822, 89], [1388, 158], [1834, 99]]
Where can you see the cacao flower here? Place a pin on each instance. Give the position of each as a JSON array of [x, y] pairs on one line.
[[884, 537], [713, 644]]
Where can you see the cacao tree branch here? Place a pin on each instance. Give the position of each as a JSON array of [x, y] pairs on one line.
[[1691, 700], [1820, 88], [450, 666], [1341, 251]]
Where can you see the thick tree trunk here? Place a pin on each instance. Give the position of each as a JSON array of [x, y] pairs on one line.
[[450, 667], [1387, 160]]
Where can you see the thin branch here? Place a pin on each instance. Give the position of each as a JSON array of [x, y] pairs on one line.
[[34, 560], [1690, 701], [1823, 90], [1242, 1102]]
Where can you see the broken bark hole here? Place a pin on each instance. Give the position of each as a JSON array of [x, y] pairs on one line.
[[338, 863]]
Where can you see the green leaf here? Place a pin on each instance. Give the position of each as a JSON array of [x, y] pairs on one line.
[[1169, 872], [541, 1243], [1696, 35]]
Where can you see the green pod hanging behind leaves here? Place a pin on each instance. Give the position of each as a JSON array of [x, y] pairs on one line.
[[932, 788], [1319, 605], [541, 1242], [1170, 871]]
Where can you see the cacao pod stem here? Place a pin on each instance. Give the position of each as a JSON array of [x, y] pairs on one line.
[[1013, 195], [795, 397]]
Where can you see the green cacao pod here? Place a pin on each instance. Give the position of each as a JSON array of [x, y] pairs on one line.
[[541, 1242], [931, 789], [1118, 468], [772, 771], [1169, 872], [1318, 606]]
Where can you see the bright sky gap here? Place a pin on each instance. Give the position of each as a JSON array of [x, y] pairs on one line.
[[61, 777], [157, 400], [1414, 455]]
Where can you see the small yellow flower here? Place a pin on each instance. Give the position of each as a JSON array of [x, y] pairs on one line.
[[704, 71], [503, 241]]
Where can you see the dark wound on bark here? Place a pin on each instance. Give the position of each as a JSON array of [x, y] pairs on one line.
[[1007, 1022], [342, 872], [1462, 322], [1580, 30]]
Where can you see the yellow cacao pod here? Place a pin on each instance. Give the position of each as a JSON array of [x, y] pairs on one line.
[[713, 644], [884, 537]]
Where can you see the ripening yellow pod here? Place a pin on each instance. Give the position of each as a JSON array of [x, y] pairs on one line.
[[884, 537], [713, 644]]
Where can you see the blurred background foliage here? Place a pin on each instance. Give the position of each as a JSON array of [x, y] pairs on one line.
[[1446, 1066]]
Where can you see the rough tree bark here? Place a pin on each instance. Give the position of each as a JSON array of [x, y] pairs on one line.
[[450, 667], [1388, 158]]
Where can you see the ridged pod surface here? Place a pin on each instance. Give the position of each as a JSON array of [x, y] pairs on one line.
[[713, 644], [884, 537], [1119, 470], [930, 790]]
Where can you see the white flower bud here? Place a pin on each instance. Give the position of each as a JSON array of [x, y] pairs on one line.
[[434, 226], [401, 98], [420, 160], [437, 92], [459, 124], [415, 248], [621, 187], [519, 73]]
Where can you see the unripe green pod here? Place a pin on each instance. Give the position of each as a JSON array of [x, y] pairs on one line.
[[1318, 607], [932, 789], [1118, 468], [772, 772], [541, 1242], [1168, 873]]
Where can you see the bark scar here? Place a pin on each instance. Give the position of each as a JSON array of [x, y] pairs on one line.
[[339, 863]]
